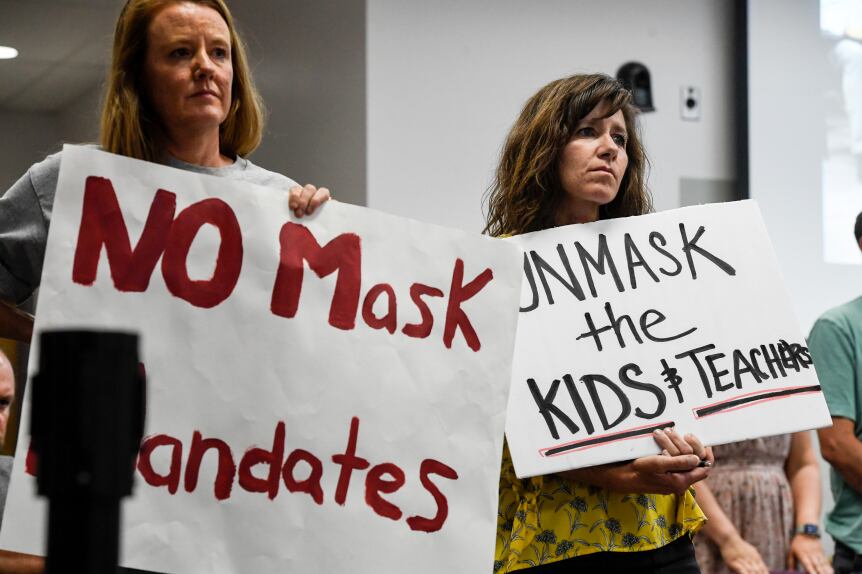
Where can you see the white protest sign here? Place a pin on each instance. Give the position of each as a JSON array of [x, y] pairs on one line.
[[325, 394], [677, 319]]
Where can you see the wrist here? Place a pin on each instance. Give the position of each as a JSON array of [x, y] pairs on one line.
[[726, 537], [607, 476], [808, 529], [612, 476]]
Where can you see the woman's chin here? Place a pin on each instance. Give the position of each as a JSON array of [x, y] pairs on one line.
[[196, 123]]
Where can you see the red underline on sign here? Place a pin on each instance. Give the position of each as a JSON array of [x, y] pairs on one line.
[[601, 440], [751, 399]]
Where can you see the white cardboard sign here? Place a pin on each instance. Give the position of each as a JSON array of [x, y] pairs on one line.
[[362, 359], [677, 319]]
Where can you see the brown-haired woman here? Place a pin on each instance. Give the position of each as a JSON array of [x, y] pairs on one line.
[[179, 92], [574, 156]]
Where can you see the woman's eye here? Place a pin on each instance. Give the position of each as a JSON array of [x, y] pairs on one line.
[[180, 52], [220, 53], [620, 139], [584, 132]]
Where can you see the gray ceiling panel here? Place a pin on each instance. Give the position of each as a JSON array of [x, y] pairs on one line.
[[53, 31], [63, 48], [57, 88], [16, 75], [65, 40]]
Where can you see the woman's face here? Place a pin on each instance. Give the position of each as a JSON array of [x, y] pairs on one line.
[[593, 163], [188, 70]]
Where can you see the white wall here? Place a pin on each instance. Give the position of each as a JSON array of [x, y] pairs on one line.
[[786, 142], [447, 79], [786, 133]]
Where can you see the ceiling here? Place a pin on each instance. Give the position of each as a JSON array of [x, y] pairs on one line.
[[63, 48]]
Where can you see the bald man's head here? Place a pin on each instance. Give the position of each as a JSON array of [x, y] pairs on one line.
[[7, 393]]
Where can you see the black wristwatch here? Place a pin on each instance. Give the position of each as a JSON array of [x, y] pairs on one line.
[[809, 530]]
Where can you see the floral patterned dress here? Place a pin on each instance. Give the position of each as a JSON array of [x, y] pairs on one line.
[[751, 487], [548, 518]]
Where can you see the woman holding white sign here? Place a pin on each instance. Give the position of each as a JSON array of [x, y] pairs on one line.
[[574, 156], [179, 92]]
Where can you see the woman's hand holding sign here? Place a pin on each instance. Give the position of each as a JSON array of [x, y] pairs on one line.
[[683, 461], [306, 199], [674, 445]]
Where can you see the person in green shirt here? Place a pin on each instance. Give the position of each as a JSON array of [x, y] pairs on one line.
[[836, 346]]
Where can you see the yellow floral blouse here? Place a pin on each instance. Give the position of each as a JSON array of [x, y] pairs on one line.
[[548, 518]]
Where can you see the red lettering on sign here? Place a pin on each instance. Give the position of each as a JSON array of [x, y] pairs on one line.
[[170, 238], [209, 292], [430, 466], [383, 478], [271, 458], [375, 484], [342, 254], [455, 316], [226, 467], [31, 462], [349, 462], [311, 485], [388, 321], [145, 465], [422, 329], [102, 224]]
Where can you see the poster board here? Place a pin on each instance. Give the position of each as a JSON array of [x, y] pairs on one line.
[[677, 319], [343, 337]]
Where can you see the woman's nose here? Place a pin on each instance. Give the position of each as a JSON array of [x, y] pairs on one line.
[[607, 146], [203, 67]]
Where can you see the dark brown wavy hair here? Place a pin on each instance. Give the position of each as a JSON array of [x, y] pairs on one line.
[[129, 127], [527, 190]]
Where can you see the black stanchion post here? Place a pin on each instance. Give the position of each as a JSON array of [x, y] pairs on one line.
[[87, 424]]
